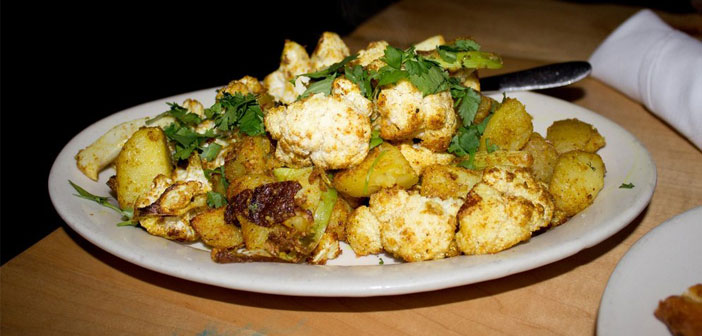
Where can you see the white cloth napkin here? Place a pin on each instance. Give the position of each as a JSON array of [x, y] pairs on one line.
[[657, 65]]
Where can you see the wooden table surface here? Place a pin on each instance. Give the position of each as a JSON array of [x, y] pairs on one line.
[[66, 285]]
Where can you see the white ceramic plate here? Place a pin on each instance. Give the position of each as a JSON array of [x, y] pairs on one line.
[[664, 262], [627, 161]]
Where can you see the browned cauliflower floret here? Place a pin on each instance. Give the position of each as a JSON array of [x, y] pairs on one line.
[[405, 113], [363, 232], [244, 86], [414, 227], [331, 132], [420, 157], [370, 57], [502, 210], [294, 61], [167, 208], [330, 49]]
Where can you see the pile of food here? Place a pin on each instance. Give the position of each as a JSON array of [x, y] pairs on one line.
[[389, 150]]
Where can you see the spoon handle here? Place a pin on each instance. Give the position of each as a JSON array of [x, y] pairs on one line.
[[543, 77]]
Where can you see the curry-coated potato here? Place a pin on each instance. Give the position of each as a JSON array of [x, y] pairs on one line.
[[544, 155], [252, 155], [244, 182], [509, 127], [577, 179], [445, 181], [215, 231], [484, 108], [483, 160], [144, 156], [573, 134], [384, 167]]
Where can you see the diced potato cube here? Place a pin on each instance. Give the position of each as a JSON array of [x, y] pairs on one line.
[[573, 134], [509, 128], [215, 231], [577, 179], [384, 167]]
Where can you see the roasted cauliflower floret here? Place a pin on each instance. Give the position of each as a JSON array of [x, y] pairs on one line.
[[363, 232], [420, 157], [331, 132], [293, 62], [414, 227], [502, 210], [370, 57], [244, 86], [165, 210], [330, 49], [430, 43], [405, 113]]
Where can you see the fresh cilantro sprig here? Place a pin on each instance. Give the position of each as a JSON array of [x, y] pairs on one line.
[[180, 113], [223, 182], [467, 141], [466, 101], [423, 73], [324, 77], [237, 111], [187, 140], [127, 214], [375, 139], [216, 200], [362, 78]]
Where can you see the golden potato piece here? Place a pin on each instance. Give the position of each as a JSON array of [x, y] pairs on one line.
[[509, 128], [484, 160], [215, 231], [143, 157], [573, 134], [446, 181], [544, 155], [384, 167], [577, 179]]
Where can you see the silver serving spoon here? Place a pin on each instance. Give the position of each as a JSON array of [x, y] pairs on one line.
[[543, 77]]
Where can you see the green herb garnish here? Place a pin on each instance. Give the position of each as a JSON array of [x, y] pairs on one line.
[[626, 186], [127, 214], [216, 200]]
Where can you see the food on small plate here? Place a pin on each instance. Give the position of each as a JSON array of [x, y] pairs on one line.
[[682, 314], [388, 150]]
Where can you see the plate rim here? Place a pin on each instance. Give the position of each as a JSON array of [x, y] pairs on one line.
[[453, 278]]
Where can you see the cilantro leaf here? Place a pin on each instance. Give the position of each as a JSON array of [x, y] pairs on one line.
[[362, 78], [332, 69], [127, 214], [375, 139], [389, 75], [466, 101], [322, 86], [216, 200], [626, 186], [460, 45], [180, 113], [210, 152], [251, 123], [393, 57]]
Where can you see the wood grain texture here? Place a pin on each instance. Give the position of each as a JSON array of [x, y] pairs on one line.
[[64, 285]]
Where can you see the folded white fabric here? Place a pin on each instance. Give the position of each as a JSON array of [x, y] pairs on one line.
[[657, 65]]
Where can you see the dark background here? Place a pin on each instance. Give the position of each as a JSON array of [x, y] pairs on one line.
[[64, 66]]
